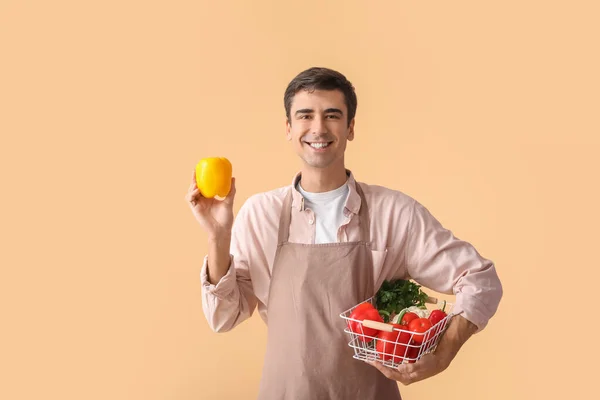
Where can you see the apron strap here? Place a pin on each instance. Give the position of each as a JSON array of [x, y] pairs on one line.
[[286, 217], [363, 215]]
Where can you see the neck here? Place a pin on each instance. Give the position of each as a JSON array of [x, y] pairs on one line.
[[318, 180]]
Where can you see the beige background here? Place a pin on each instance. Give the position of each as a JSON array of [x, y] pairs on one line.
[[486, 113]]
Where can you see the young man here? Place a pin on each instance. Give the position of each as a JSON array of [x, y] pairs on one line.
[[304, 253]]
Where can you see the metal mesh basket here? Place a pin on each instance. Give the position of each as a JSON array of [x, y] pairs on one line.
[[397, 345]]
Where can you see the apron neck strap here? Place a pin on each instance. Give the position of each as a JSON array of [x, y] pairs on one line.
[[363, 215], [286, 217]]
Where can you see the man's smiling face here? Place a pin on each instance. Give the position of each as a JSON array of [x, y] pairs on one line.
[[318, 127]]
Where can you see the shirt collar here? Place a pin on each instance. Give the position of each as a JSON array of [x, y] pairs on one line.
[[352, 201]]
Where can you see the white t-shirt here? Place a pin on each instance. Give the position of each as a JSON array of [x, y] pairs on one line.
[[329, 211]]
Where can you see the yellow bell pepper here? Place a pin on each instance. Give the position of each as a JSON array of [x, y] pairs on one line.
[[213, 177]]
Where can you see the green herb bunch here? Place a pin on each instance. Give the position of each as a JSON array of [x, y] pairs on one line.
[[394, 296]]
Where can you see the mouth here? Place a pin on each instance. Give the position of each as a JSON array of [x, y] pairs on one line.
[[318, 145]]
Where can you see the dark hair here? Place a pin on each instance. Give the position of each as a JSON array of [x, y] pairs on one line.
[[317, 78]]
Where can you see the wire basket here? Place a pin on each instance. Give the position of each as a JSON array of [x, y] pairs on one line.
[[399, 345]]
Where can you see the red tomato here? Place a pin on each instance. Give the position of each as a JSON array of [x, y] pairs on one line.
[[392, 345], [409, 316], [360, 313], [436, 316], [413, 352], [419, 326]]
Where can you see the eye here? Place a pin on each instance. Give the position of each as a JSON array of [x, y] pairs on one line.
[[333, 116], [304, 116]]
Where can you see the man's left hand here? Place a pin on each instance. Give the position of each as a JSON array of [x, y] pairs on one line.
[[458, 331], [427, 366]]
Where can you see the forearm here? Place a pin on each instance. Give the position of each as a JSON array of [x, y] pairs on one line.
[[458, 332], [219, 258]]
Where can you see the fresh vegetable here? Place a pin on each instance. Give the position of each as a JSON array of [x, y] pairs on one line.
[[363, 307], [412, 352], [393, 345], [407, 317], [419, 326], [360, 313], [400, 303], [394, 296], [436, 316], [213, 177], [398, 317], [421, 312]]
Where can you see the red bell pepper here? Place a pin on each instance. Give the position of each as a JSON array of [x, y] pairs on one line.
[[360, 313]]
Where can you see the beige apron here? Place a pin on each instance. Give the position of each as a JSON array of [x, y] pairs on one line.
[[307, 356]]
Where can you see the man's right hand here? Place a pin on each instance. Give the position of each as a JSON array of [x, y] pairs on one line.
[[214, 216]]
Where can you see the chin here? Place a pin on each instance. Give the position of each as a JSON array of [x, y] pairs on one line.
[[317, 163]]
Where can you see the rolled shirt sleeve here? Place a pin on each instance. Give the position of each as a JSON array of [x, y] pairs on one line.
[[436, 259], [225, 287]]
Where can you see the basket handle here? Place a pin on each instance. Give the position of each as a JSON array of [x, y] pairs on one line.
[[381, 326]]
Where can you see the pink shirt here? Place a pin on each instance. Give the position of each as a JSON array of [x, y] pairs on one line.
[[407, 243]]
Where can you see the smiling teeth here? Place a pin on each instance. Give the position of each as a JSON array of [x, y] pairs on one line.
[[319, 145]]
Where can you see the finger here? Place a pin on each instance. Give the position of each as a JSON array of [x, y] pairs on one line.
[[193, 196], [407, 373], [194, 178], [192, 188], [415, 372], [387, 372], [404, 374]]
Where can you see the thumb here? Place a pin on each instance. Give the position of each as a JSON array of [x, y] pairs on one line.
[[231, 195]]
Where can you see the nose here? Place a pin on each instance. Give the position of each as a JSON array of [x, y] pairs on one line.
[[318, 126]]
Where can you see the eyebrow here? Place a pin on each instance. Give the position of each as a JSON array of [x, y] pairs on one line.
[[310, 111]]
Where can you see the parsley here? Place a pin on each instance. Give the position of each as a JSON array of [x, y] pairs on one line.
[[397, 295]]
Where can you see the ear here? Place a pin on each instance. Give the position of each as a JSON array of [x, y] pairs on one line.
[[351, 130], [288, 129]]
